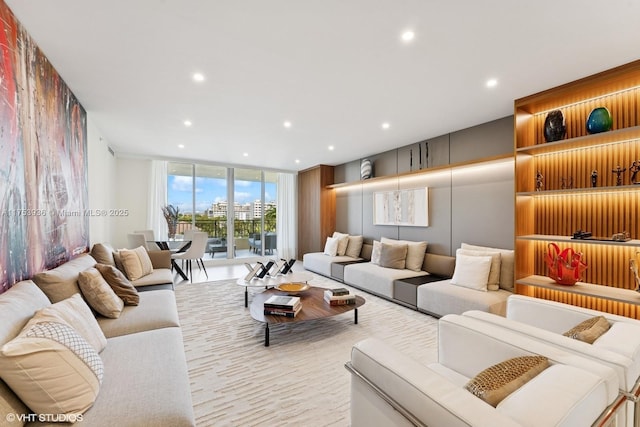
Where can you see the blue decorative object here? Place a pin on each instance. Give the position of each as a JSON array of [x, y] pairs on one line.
[[366, 169], [599, 120], [554, 127]]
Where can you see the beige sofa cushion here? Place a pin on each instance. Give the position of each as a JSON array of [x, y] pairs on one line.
[[415, 252], [136, 262], [119, 283], [103, 253], [354, 247], [75, 312], [99, 294], [52, 369], [393, 256], [157, 310], [506, 264], [62, 282], [493, 281], [157, 277], [343, 241]]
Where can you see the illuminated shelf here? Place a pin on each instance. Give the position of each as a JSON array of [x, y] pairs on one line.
[[581, 191], [595, 140], [581, 288], [568, 239], [433, 169]]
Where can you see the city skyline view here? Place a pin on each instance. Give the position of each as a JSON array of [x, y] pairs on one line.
[[211, 190]]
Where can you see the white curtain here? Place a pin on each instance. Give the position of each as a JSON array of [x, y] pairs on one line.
[[287, 215], [157, 199]]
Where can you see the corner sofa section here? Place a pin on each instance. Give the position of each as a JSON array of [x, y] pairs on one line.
[[145, 379]]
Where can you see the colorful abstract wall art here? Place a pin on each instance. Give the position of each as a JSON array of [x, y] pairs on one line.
[[43, 160]]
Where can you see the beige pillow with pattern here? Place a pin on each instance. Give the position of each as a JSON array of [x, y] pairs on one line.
[[119, 283], [136, 262], [589, 330], [99, 294], [52, 369], [74, 311]]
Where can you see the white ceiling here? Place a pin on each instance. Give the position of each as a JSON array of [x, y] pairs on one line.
[[336, 69]]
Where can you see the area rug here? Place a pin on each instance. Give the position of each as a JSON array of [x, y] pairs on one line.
[[300, 378]]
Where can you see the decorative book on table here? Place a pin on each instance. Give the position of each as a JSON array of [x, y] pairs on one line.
[[339, 291], [282, 305], [344, 299]]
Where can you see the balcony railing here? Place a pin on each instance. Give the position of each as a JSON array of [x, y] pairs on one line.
[[215, 227]]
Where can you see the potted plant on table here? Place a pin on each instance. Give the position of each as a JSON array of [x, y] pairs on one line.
[[171, 214]]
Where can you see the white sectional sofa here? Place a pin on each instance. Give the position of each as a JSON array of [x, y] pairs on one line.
[[388, 388], [548, 321]]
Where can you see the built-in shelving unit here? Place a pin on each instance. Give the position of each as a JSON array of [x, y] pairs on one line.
[[568, 200], [430, 170]]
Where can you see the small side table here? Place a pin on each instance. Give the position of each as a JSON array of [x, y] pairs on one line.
[[405, 291]]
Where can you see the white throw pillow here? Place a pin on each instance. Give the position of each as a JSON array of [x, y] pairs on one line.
[[472, 272], [493, 283], [506, 264], [375, 252], [415, 252], [343, 241], [52, 369], [331, 246]]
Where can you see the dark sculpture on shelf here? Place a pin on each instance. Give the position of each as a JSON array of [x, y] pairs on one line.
[[554, 127], [539, 181], [594, 178], [599, 120], [618, 171], [634, 169]]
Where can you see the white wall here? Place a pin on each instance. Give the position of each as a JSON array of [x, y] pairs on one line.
[[132, 182], [102, 189]]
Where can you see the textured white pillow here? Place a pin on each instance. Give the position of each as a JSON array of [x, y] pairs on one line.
[[472, 272], [73, 311], [331, 246], [343, 241], [506, 264], [493, 283], [52, 369], [415, 252], [375, 252]]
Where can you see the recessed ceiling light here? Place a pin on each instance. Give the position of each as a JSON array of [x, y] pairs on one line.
[[180, 145], [198, 77], [287, 124], [492, 83], [297, 160], [187, 123], [245, 154], [386, 125], [331, 147], [407, 36]]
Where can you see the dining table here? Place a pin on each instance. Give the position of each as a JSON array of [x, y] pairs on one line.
[[175, 246]]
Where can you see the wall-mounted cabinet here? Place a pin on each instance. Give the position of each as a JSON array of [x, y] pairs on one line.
[[573, 184]]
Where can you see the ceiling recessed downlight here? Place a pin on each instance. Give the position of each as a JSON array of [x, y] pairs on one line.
[[287, 124], [331, 147], [187, 123], [297, 160], [408, 35], [492, 83], [245, 154], [386, 125], [180, 145], [198, 77]]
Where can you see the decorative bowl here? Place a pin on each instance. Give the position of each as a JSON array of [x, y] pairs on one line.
[[292, 288]]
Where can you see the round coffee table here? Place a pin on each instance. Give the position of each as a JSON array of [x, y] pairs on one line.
[[313, 307], [271, 282]]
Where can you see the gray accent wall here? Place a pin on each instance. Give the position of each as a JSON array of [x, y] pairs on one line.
[[472, 204]]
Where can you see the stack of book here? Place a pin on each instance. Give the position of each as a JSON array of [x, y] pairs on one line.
[[282, 305], [339, 296]]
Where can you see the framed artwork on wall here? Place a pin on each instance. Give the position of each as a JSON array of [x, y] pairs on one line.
[[402, 207]]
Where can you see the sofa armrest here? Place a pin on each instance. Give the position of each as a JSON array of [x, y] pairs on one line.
[[160, 259], [417, 392]]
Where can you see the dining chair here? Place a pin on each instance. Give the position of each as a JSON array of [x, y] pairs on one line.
[[136, 240], [149, 237], [188, 234], [195, 252]]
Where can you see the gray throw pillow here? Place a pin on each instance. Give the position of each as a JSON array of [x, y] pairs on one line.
[[393, 256]]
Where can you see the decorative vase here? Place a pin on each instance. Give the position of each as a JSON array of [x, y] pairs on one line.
[[554, 127], [599, 120], [366, 169]]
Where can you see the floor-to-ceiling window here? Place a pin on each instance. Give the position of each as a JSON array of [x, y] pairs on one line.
[[235, 206]]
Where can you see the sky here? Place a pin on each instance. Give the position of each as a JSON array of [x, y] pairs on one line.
[[211, 190]]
